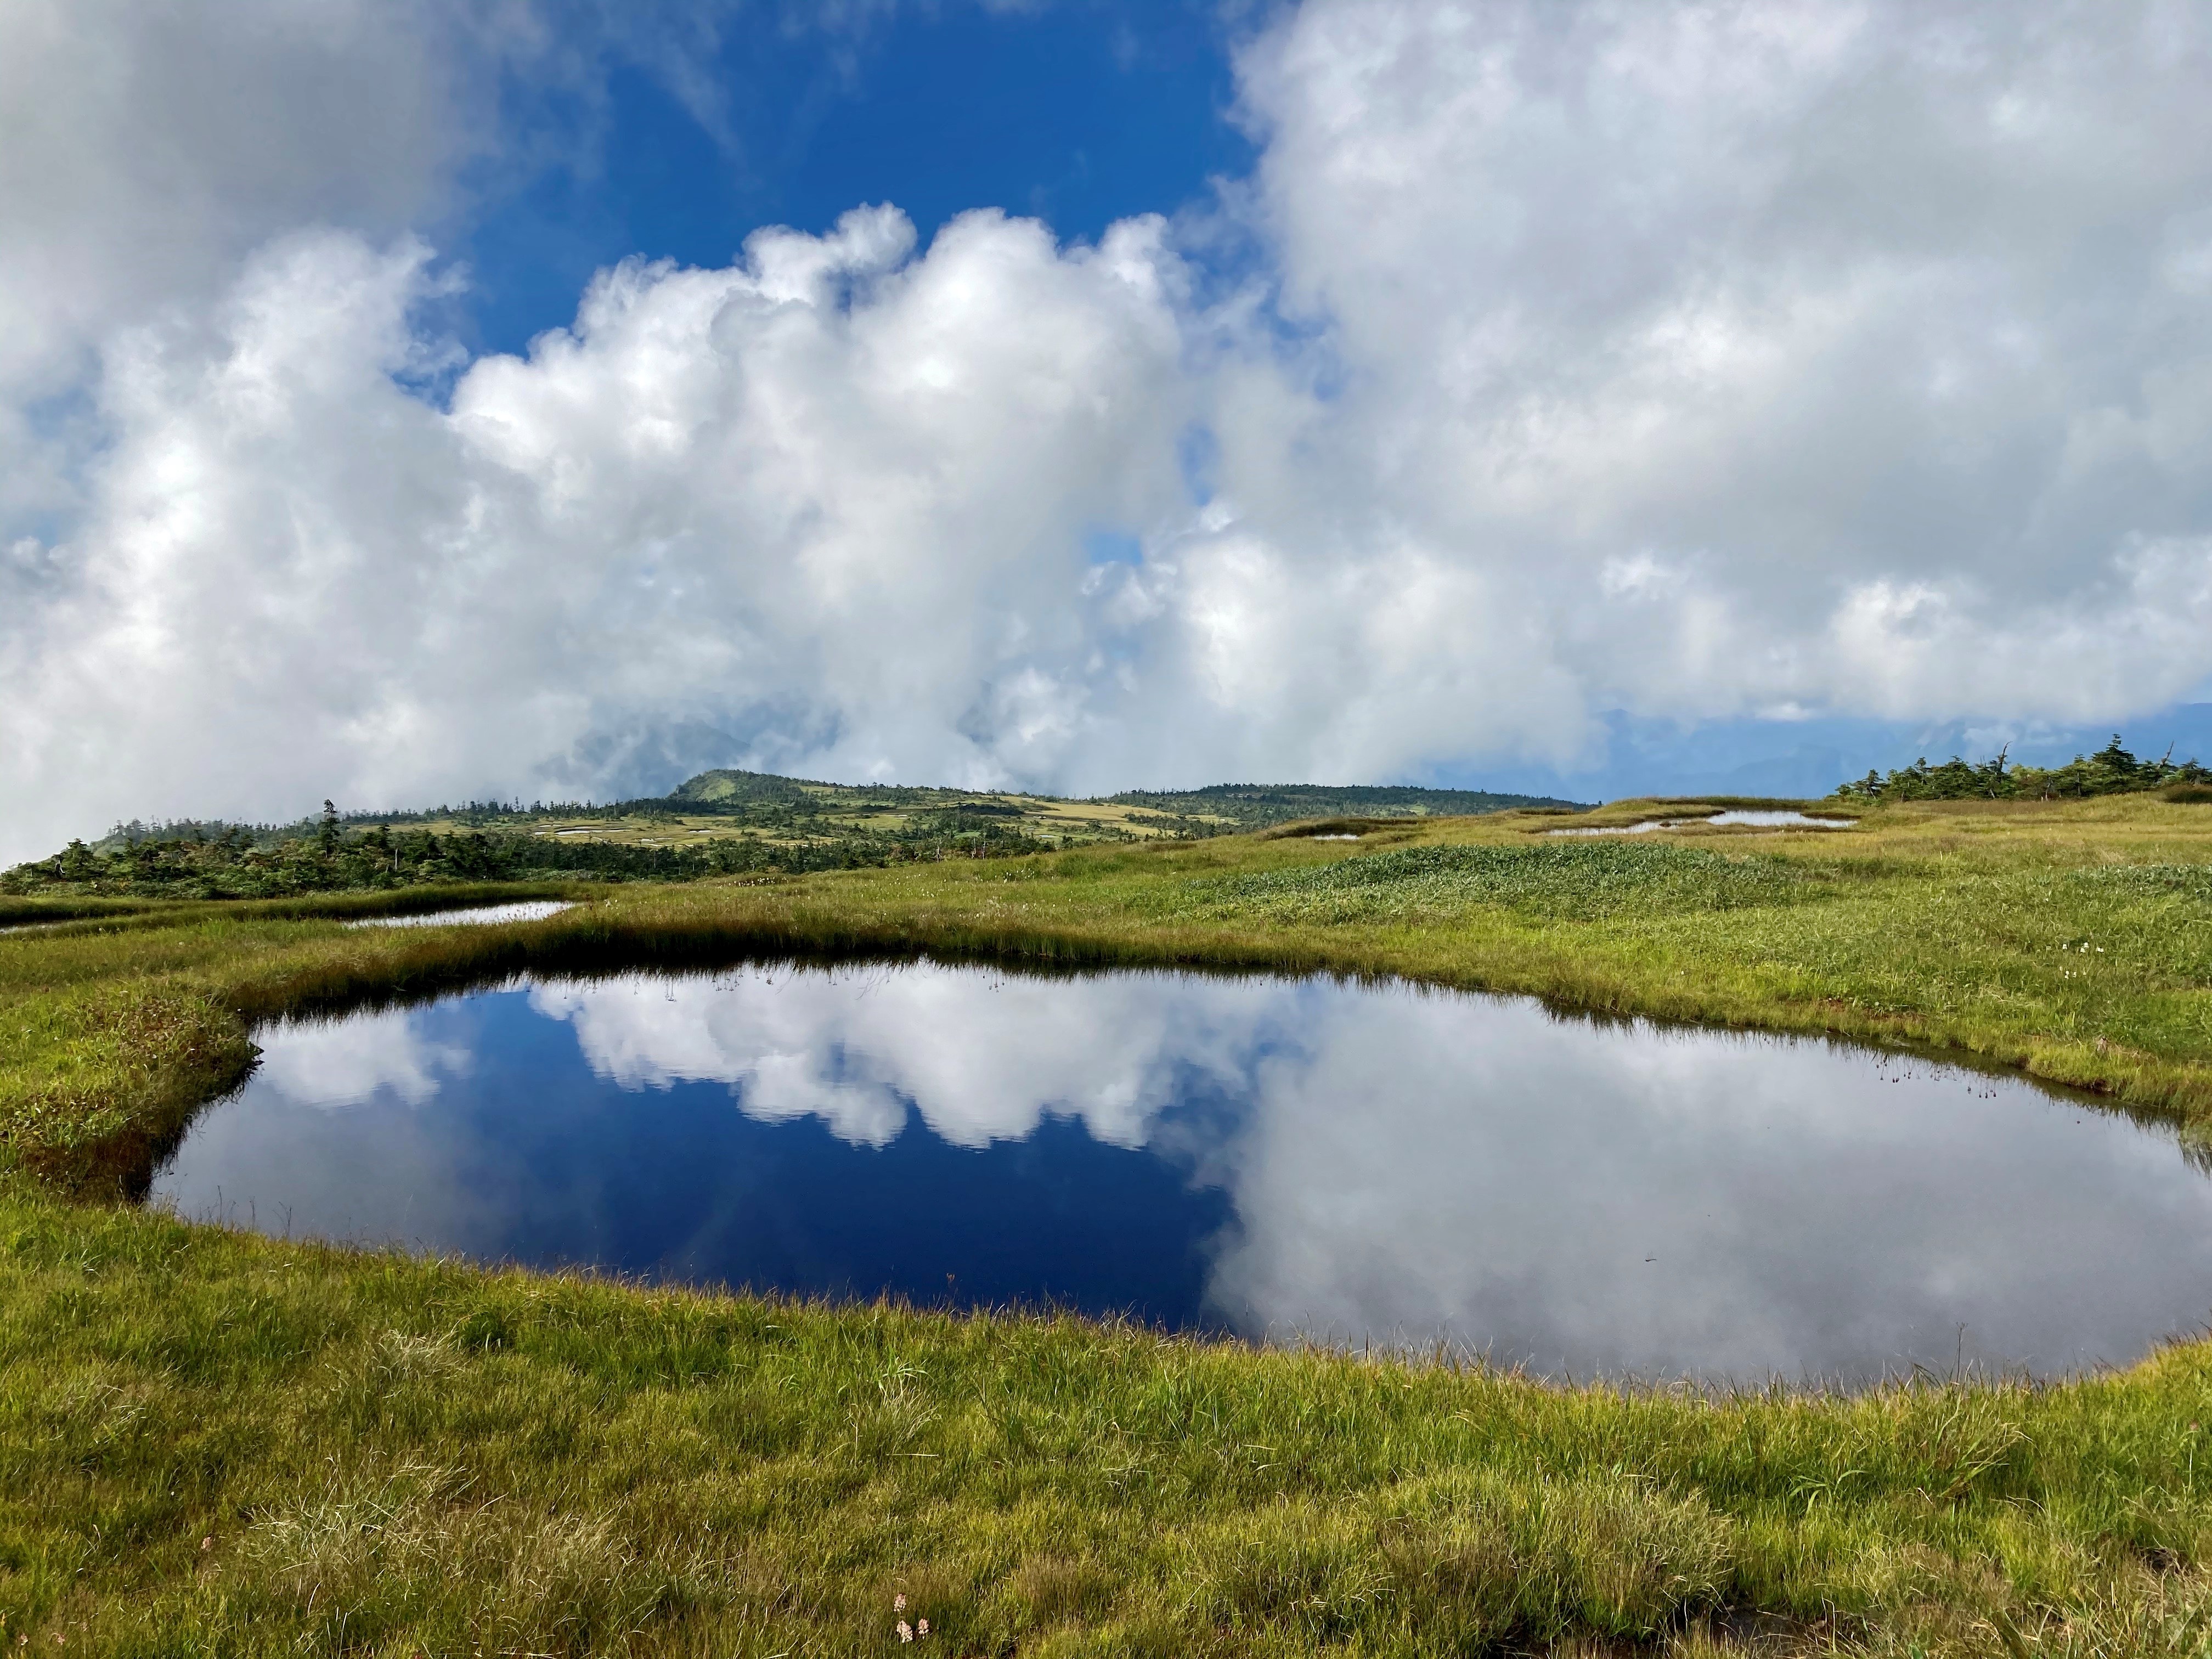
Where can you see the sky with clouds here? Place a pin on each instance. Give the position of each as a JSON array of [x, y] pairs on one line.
[[405, 401]]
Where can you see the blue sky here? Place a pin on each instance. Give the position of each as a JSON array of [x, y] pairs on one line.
[[1557, 394], [1080, 114]]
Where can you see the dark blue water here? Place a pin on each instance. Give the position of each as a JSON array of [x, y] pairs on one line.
[[1274, 1158]]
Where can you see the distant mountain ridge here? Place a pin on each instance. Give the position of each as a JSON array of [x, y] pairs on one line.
[[1255, 806], [727, 784], [724, 822], [1246, 805]]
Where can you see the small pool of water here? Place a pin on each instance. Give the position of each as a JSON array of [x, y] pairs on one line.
[[521, 910], [1794, 820], [1776, 819], [1276, 1157]]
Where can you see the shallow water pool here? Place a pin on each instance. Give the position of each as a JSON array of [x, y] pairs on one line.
[[474, 916], [1276, 1157], [1760, 819]]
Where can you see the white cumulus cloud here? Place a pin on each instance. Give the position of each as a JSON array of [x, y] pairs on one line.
[[1690, 359], [829, 494], [1848, 355]]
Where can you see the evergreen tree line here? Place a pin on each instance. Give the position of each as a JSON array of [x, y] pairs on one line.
[[333, 857], [474, 815], [2112, 770]]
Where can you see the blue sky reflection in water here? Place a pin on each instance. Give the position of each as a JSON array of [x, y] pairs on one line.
[[1267, 1156]]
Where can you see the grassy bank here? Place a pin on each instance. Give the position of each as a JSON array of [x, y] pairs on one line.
[[216, 1445], [385, 1456]]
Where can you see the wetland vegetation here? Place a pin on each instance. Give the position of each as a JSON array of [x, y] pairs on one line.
[[222, 1442]]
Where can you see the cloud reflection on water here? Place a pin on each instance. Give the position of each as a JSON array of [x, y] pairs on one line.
[[336, 1063], [1396, 1165], [982, 1057]]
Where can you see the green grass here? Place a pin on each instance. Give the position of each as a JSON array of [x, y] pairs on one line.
[[222, 1444], [1577, 881], [19, 912], [390, 1457]]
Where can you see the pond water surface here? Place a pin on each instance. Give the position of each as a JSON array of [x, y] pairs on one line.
[[1759, 818], [475, 916], [1279, 1158]]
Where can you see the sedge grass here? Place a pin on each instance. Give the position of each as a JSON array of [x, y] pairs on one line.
[[219, 1442], [215, 1442]]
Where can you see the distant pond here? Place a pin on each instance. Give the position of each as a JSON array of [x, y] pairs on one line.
[[1280, 1158]]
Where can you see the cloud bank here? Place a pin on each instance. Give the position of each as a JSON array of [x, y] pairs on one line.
[[1692, 361]]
